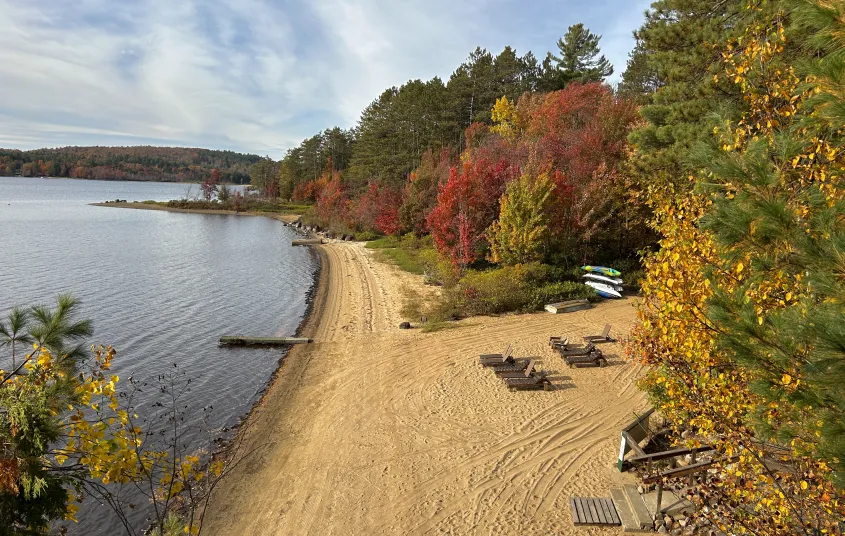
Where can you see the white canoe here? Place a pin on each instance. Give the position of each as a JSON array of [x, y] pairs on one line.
[[603, 290], [615, 281]]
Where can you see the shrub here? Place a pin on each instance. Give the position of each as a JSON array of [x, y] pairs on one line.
[[561, 291], [495, 291]]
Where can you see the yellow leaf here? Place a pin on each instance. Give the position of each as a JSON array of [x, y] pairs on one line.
[[786, 379]]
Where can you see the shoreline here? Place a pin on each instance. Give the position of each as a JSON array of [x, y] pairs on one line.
[[373, 429], [285, 218]]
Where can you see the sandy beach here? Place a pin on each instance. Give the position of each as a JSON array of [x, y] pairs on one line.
[[376, 430]]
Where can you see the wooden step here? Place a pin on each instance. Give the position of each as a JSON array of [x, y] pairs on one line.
[[642, 516], [623, 510]]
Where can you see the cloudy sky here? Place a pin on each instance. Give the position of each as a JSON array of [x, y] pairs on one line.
[[251, 75]]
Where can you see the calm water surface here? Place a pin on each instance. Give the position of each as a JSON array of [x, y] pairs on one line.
[[160, 287]]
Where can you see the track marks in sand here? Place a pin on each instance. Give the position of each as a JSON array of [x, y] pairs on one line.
[[399, 432]]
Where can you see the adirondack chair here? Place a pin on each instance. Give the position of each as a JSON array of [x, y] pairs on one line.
[[604, 337]]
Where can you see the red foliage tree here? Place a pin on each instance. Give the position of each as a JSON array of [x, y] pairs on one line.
[[466, 206], [211, 185], [579, 133], [332, 204], [378, 209]]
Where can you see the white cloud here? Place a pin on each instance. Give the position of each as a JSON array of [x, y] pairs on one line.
[[248, 75]]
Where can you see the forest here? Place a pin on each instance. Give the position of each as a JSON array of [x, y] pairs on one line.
[[711, 175], [145, 163]]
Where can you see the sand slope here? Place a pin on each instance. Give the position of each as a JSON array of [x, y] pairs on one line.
[[375, 430]]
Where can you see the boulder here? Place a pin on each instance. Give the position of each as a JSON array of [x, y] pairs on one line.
[[405, 325]]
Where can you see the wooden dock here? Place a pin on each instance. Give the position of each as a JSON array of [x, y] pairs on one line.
[[307, 242], [240, 340]]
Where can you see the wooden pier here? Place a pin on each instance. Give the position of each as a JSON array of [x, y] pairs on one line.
[[240, 340]]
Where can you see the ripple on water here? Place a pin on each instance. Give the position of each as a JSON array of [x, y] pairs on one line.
[[160, 287]]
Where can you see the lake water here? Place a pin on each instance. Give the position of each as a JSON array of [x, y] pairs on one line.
[[160, 287]]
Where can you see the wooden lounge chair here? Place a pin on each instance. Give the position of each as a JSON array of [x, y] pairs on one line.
[[604, 337], [558, 341], [516, 372], [493, 360], [594, 358], [579, 350], [536, 382]]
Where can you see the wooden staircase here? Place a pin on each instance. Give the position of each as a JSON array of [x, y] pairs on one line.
[[632, 510]]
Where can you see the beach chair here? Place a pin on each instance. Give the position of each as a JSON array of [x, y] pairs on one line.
[[558, 341], [516, 371], [594, 358], [493, 360], [577, 351], [536, 382], [604, 337]]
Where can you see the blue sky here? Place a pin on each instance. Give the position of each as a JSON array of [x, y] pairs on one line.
[[251, 75]]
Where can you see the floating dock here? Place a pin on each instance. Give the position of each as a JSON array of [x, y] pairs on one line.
[[240, 340]]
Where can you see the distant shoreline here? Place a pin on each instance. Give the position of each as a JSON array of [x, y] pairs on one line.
[[287, 218]]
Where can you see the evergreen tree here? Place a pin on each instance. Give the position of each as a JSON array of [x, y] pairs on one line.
[[780, 214], [676, 54], [579, 60], [640, 79]]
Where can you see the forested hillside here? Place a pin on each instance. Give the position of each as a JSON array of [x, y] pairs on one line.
[[142, 163], [718, 162]]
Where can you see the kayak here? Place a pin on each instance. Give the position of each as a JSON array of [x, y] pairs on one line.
[[605, 291], [615, 281], [603, 270]]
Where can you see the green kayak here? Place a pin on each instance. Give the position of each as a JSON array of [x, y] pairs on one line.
[[604, 270]]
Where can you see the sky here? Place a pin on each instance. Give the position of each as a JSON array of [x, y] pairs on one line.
[[250, 75]]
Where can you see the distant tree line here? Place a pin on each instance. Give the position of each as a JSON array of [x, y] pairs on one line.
[[142, 163]]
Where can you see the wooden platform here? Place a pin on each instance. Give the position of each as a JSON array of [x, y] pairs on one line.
[[593, 511], [568, 306], [307, 242], [240, 340]]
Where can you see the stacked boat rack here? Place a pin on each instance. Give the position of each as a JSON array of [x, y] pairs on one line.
[[605, 281]]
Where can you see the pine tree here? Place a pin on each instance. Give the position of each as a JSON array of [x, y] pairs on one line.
[[579, 60], [676, 49], [781, 214]]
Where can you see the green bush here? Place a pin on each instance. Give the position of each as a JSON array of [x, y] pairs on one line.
[[561, 291], [509, 288], [364, 236]]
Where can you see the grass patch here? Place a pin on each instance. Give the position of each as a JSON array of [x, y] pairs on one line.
[[406, 260], [408, 252], [383, 243]]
